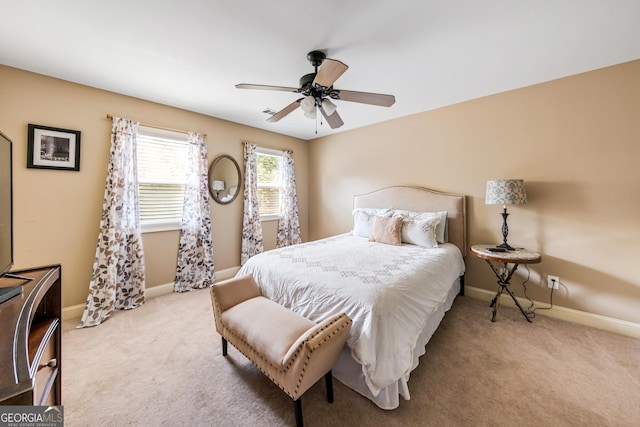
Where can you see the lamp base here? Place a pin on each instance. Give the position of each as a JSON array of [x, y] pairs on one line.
[[505, 231], [505, 246]]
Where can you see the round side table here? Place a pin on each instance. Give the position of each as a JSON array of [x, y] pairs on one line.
[[504, 274]]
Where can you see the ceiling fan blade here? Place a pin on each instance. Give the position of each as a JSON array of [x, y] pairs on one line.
[[334, 120], [366, 98], [266, 87], [329, 72], [286, 110]]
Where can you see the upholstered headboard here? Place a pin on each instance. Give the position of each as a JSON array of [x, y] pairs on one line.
[[420, 199]]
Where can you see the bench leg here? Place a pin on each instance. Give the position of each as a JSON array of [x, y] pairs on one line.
[[328, 382], [297, 408], [224, 347]]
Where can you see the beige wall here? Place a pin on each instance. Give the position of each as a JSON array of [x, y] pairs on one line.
[[575, 142], [57, 213]]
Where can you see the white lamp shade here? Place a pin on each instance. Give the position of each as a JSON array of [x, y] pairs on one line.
[[310, 114], [217, 185], [308, 103], [506, 192], [328, 107]]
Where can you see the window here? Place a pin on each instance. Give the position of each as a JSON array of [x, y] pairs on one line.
[[269, 182], [162, 172]]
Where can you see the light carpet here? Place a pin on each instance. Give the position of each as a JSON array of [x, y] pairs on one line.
[[161, 365]]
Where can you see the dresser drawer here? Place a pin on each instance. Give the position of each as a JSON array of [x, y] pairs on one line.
[[46, 372]]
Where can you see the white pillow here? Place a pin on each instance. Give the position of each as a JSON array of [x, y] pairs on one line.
[[373, 211], [421, 232], [363, 220], [442, 230]]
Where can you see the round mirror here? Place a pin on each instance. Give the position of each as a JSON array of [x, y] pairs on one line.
[[224, 179]]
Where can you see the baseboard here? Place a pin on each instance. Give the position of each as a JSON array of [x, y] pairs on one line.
[[72, 312], [610, 324], [75, 311]]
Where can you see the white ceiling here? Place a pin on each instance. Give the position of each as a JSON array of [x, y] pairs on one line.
[[428, 53]]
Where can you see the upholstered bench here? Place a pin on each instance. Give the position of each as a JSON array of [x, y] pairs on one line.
[[294, 352]]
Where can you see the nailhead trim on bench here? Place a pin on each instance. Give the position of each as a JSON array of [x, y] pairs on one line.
[[292, 359]]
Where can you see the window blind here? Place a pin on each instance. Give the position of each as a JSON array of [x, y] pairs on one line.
[[269, 181], [162, 171]]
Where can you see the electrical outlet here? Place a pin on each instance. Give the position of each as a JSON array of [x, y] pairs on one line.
[[553, 282]]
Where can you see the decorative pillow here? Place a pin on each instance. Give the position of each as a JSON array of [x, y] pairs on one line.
[[442, 230], [363, 220], [387, 229], [421, 232]]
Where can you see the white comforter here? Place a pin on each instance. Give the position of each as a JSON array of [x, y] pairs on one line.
[[388, 291]]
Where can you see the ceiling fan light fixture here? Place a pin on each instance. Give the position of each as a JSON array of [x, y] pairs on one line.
[[310, 114], [308, 104], [328, 106]]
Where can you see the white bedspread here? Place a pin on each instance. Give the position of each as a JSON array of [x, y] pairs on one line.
[[388, 291]]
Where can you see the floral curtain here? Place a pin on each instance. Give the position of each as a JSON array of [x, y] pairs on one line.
[[289, 225], [117, 282], [195, 251], [251, 224]]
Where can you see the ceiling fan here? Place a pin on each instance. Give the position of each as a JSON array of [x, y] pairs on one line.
[[318, 90]]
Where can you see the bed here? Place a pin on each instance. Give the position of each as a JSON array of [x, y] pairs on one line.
[[396, 294]]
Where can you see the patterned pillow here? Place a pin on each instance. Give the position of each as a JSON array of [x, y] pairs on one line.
[[363, 220], [421, 232], [441, 230], [387, 230]]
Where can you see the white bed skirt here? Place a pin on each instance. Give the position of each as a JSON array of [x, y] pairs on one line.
[[349, 372]]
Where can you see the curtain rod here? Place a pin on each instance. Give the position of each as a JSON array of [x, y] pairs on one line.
[[109, 116], [268, 148]]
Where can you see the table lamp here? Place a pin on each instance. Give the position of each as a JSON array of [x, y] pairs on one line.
[[217, 186], [505, 192]]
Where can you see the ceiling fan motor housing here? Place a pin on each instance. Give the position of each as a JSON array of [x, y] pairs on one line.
[[306, 81], [318, 92]]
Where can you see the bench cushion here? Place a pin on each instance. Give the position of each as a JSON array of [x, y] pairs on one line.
[[269, 328]]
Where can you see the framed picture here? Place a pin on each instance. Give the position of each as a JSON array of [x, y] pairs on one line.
[[53, 148]]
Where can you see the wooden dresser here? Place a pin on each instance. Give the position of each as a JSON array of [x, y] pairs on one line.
[[30, 339]]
